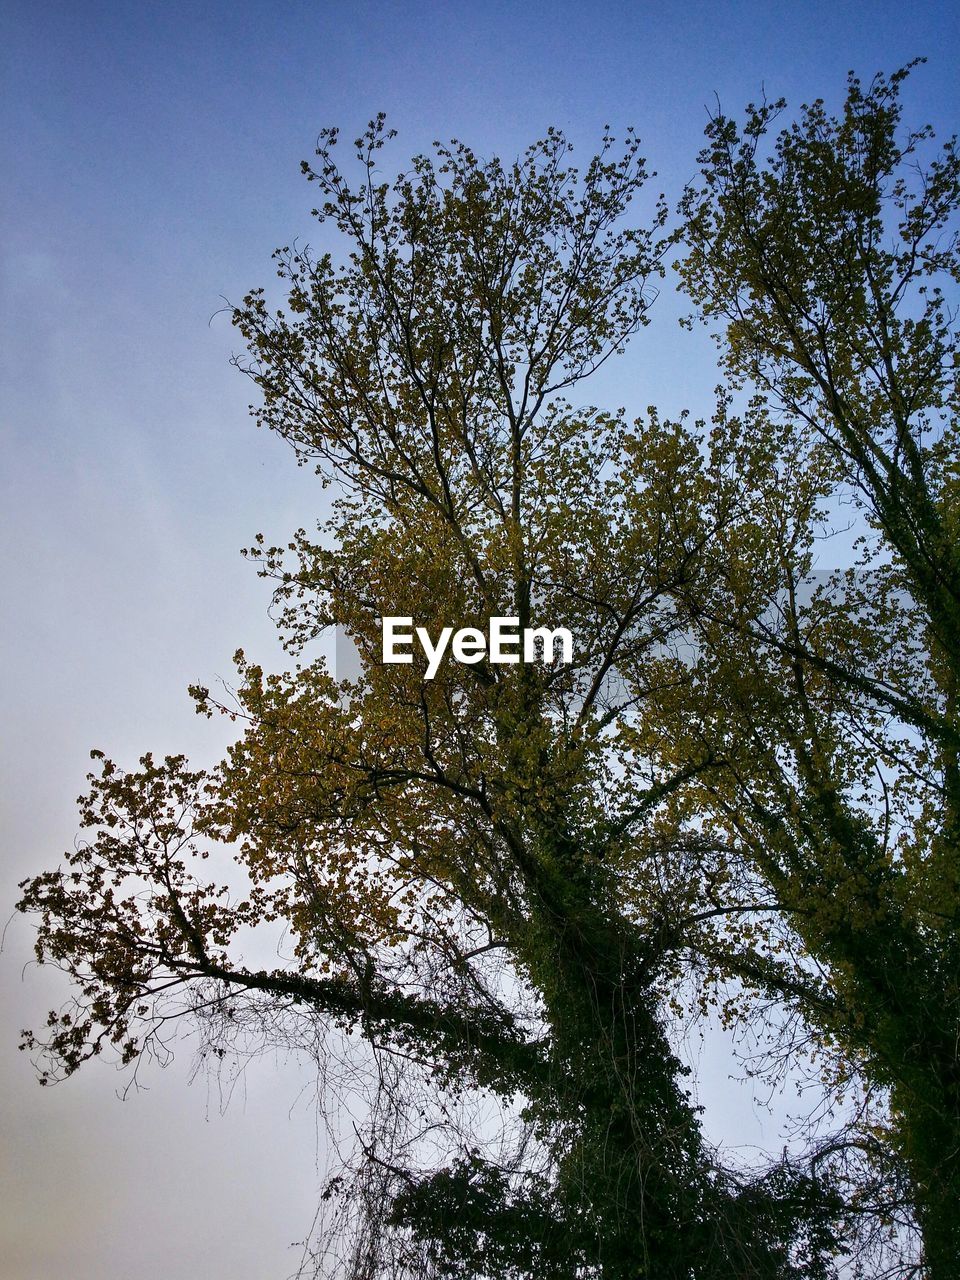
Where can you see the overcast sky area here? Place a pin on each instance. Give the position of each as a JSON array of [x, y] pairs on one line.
[[150, 166]]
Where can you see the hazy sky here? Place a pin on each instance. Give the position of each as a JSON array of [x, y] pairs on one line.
[[150, 166]]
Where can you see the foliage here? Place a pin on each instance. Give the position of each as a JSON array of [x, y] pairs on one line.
[[499, 882], [829, 259]]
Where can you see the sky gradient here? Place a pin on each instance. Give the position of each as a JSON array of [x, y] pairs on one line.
[[151, 165]]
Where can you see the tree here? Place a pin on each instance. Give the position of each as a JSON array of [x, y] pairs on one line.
[[486, 893], [828, 257]]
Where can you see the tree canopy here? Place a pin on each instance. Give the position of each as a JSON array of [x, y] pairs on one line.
[[504, 883], [831, 264]]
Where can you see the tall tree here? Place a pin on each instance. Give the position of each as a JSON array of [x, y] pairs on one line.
[[468, 864], [830, 255]]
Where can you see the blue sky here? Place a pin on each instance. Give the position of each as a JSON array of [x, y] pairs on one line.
[[151, 165]]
